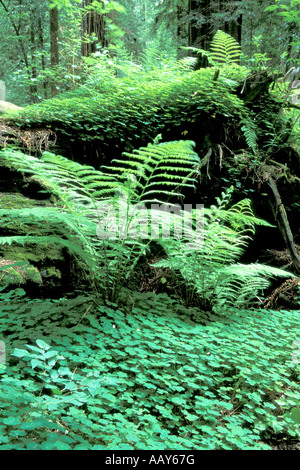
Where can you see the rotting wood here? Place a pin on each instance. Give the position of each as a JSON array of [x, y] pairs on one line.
[[33, 140]]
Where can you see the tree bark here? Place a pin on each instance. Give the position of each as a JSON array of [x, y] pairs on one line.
[[54, 51], [20, 40], [41, 48], [33, 86], [92, 25], [200, 28], [232, 26]]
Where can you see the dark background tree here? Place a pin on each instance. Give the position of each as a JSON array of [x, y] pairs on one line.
[[54, 53]]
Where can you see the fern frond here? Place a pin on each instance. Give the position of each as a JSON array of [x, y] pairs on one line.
[[225, 49], [67, 180], [82, 192], [250, 132], [148, 166], [211, 268], [239, 284]]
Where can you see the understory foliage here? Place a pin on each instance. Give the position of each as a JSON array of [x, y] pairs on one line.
[[224, 50], [140, 104], [106, 220], [84, 196], [144, 375], [211, 270]]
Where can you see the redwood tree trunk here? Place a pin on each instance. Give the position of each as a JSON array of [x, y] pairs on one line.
[[200, 27], [92, 25], [206, 17], [54, 54]]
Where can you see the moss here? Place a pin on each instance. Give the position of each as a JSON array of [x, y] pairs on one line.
[[11, 277], [53, 272], [32, 253], [33, 275], [17, 275], [17, 201]]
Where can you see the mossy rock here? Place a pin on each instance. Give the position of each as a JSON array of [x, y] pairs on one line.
[[18, 201], [14, 273], [32, 253]]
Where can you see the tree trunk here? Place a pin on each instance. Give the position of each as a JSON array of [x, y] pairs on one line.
[[200, 28], [92, 30], [54, 53], [19, 37], [291, 34], [206, 17], [41, 48], [233, 25], [33, 86]]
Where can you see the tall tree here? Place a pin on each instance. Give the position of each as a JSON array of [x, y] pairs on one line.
[[200, 24], [98, 25], [93, 28], [54, 51]]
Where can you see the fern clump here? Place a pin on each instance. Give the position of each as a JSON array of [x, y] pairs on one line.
[[101, 217], [82, 197], [210, 270]]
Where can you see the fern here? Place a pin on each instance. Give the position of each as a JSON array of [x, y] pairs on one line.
[[249, 129], [85, 197], [82, 193], [164, 168], [239, 284], [225, 49], [225, 53], [210, 270]]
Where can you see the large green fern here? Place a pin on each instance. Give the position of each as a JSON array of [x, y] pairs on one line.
[[224, 54], [206, 255], [81, 192], [224, 50], [158, 169], [210, 270]]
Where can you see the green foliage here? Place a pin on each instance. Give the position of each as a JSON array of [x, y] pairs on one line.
[[289, 10], [18, 273], [84, 195], [225, 49], [102, 217], [140, 106], [156, 169], [250, 132], [209, 268], [145, 376]]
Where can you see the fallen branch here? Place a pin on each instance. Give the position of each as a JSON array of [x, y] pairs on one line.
[[283, 224]]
